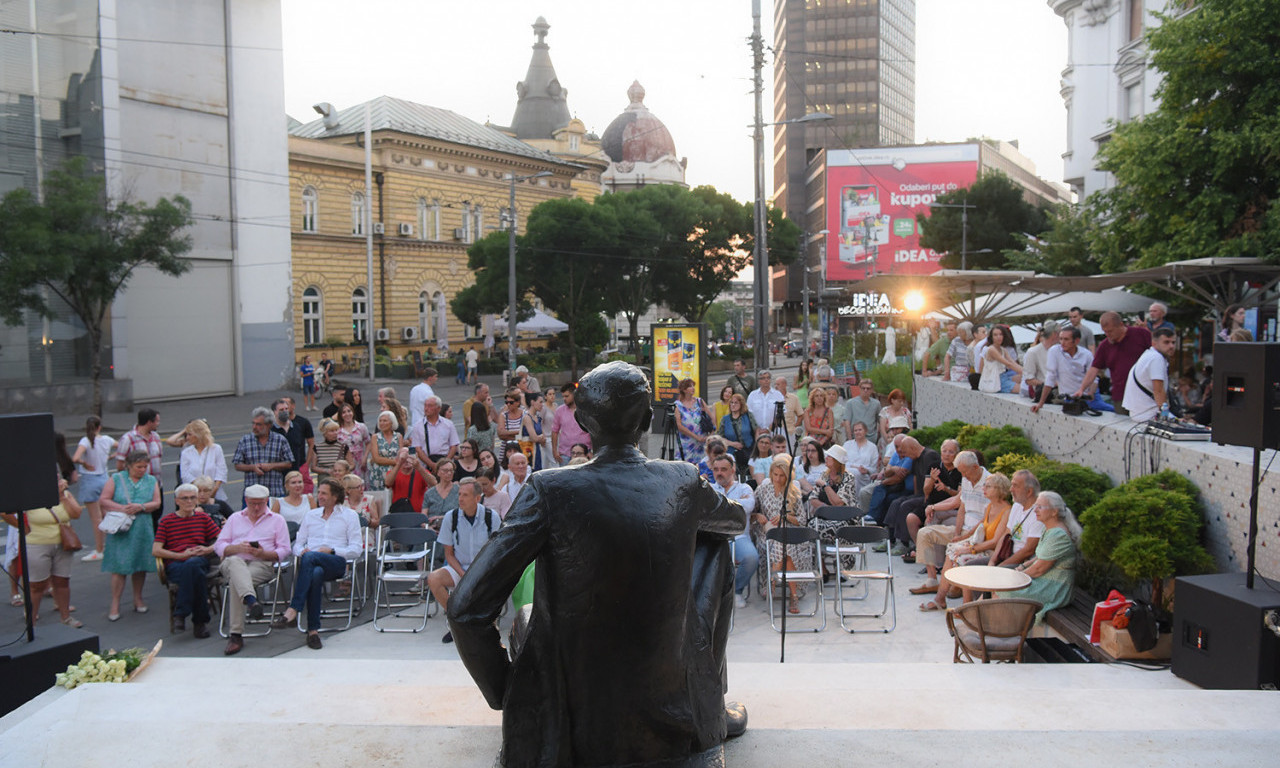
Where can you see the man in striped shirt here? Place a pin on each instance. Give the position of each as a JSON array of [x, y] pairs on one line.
[[184, 540]]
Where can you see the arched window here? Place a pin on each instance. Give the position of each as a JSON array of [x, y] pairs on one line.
[[312, 324], [426, 328], [437, 301], [357, 213], [477, 223], [359, 314], [310, 209], [468, 234]]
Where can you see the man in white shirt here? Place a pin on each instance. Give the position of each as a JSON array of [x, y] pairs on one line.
[[931, 541], [1066, 366], [419, 394], [761, 401], [745, 557], [328, 537], [434, 438], [473, 364], [1023, 526], [1146, 393], [1035, 362]]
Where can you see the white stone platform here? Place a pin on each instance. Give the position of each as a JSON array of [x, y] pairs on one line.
[[300, 711]]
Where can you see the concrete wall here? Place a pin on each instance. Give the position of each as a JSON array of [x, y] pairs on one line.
[[1223, 473], [198, 92]]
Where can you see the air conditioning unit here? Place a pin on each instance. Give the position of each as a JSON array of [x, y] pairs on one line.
[[379, 228], [406, 230], [382, 334], [459, 233], [409, 332]]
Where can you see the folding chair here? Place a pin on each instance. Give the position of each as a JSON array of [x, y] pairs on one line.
[[859, 536], [213, 583], [354, 600], [992, 630], [832, 551], [403, 546], [792, 539], [272, 605]]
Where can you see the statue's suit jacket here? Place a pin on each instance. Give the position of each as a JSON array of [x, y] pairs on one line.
[[623, 662]]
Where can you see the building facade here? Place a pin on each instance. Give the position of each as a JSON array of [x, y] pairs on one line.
[[852, 60], [1107, 78], [440, 182], [164, 99]]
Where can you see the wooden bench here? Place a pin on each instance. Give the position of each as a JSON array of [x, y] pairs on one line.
[[1074, 621]]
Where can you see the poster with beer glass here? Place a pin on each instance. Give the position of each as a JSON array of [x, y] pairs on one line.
[[679, 353]]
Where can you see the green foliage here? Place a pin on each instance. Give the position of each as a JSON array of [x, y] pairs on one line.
[[1080, 487], [994, 442], [842, 349], [890, 377], [999, 214], [1149, 529], [1062, 249], [1200, 175], [933, 437], [1012, 462], [866, 346], [83, 247]]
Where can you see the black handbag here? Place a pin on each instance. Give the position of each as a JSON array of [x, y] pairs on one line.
[[705, 423], [1144, 631]]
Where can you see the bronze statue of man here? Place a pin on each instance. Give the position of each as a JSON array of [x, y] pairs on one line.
[[623, 662]]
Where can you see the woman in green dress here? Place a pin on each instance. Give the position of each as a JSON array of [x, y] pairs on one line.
[[1053, 569], [804, 377], [136, 493]]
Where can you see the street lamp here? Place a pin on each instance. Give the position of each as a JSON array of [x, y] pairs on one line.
[[823, 235], [511, 265]]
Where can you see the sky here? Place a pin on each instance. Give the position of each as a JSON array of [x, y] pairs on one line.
[[984, 68]]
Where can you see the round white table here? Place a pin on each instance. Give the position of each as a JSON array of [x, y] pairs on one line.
[[987, 578]]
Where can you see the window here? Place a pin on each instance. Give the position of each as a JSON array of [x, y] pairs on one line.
[[357, 213], [428, 219], [425, 326], [466, 223], [573, 143], [1135, 19], [477, 224], [311, 320], [1133, 101], [359, 314], [310, 206]]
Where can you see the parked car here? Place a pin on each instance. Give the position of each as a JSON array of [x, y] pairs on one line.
[[793, 348]]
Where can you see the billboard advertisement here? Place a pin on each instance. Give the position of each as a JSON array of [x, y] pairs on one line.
[[873, 196], [678, 353]]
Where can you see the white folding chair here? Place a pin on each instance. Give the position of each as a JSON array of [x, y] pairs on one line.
[[794, 539], [864, 537], [402, 547]]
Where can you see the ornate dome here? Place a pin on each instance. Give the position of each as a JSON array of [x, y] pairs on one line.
[[636, 135]]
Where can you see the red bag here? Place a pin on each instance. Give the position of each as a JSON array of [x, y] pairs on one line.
[[1104, 611]]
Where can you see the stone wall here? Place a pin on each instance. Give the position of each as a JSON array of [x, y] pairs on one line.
[[1107, 443]]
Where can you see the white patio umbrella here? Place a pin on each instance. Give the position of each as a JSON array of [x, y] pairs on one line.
[[1008, 305], [541, 323]]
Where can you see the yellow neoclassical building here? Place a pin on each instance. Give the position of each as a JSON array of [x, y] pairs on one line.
[[440, 182]]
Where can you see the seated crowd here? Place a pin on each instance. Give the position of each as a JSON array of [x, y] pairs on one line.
[[941, 508]]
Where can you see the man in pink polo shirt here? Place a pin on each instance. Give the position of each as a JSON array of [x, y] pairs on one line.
[[250, 544], [565, 431]]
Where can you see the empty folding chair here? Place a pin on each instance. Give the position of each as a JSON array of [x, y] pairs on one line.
[[864, 537], [828, 521], [403, 547]]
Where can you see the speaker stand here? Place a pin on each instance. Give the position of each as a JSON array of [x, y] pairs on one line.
[[1253, 521]]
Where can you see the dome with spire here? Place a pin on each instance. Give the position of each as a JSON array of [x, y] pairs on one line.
[[640, 148], [542, 104]]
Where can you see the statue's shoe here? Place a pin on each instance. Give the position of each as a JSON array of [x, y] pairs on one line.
[[735, 719]]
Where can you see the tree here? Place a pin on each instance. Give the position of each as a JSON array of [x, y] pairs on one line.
[[82, 247], [710, 237], [1200, 175], [558, 260], [1062, 249], [999, 214]]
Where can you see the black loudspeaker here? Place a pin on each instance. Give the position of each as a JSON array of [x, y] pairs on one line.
[[1246, 394], [28, 469], [28, 669], [1220, 639]]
